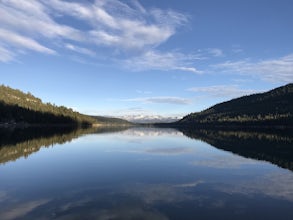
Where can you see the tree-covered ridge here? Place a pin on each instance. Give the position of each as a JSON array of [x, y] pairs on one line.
[[270, 108], [19, 107], [111, 121]]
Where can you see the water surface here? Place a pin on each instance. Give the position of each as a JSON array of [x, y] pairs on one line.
[[147, 173]]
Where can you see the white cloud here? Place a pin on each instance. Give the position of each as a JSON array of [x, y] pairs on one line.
[[189, 69], [156, 60], [138, 6], [116, 24], [216, 52], [80, 50], [273, 70], [143, 92], [209, 53], [32, 19], [161, 100], [223, 91], [5, 55], [82, 11], [120, 27], [19, 41]]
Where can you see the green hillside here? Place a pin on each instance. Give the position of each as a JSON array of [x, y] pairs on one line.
[[264, 109], [17, 107]]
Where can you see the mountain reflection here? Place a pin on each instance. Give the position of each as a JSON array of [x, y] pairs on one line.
[[151, 132], [22, 142], [276, 148]]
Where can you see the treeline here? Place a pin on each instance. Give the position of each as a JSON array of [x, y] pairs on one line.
[[273, 108], [19, 107], [111, 121]]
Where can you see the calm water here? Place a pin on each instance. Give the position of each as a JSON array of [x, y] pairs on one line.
[[146, 173]]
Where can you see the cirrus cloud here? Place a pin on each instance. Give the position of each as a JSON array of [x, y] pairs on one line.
[[155, 60], [84, 28], [17, 41], [161, 100], [272, 70], [223, 91]]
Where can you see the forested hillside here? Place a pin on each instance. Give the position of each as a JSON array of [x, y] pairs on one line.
[[264, 109], [19, 107], [111, 121]]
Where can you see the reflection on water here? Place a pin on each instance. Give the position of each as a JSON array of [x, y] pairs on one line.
[[276, 148], [18, 142], [145, 173]]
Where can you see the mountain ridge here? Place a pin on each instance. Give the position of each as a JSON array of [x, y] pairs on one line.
[[271, 108], [19, 108]]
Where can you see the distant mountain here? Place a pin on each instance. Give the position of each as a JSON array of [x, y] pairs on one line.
[[17, 107], [271, 108], [148, 119]]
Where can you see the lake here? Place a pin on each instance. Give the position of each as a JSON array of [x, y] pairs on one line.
[[145, 173]]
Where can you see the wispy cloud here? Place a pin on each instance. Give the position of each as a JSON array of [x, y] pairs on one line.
[[161, 100], [5, 55], [209, 53], [229, 91], [35, 20], [81, 50], [156, 60], [21, 42], [121, 27], [216, 52], [273, 70], [143, 92]]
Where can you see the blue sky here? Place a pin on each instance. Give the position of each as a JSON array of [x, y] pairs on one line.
[[168, 58]]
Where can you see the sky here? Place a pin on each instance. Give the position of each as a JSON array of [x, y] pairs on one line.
[[145, 58]]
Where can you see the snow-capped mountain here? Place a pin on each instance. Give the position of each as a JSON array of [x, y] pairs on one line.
[[150, 118]]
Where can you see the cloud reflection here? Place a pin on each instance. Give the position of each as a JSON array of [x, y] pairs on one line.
[[142, 200], [169, 151], [130, 212], [226, 161], [162, 193], [21, 209], [3, 196], [274, 185]]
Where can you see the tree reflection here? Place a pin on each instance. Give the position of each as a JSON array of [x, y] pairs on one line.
[[22, 142], [276, 148]]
